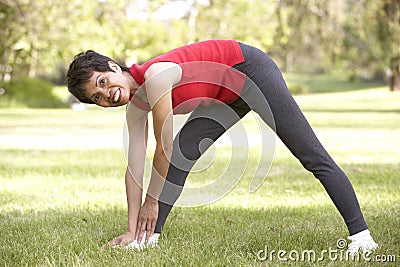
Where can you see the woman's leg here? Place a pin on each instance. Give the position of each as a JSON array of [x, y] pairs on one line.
[[293, 129], [204, 125]]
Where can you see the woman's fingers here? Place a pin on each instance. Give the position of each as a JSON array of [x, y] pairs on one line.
[[151, 229], [138, 225], [147, 220], [115, 241], [126, 240], [122, 240], [142, 224]]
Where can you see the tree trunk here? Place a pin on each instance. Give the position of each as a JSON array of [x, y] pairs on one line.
[[395, 82], [33, 63]]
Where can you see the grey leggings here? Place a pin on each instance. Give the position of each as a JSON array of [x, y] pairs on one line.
[[290, 126]]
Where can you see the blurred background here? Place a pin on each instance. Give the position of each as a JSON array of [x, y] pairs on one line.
[[62, 193], [40, 37]]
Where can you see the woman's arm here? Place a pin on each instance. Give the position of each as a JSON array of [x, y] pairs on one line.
[[138, 131], [137, 127], [160, 78]]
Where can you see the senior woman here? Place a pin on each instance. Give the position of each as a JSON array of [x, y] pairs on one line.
[[201, 78]]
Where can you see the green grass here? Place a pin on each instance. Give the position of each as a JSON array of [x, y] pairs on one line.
[[335, 81], [62, 190]]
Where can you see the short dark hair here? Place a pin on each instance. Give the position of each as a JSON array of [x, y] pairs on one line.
[[81, 70]]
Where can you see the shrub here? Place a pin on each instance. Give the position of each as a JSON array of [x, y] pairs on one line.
[[297, 89], [30, 92]]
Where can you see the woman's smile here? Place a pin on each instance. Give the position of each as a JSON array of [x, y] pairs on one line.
[[110, 89]]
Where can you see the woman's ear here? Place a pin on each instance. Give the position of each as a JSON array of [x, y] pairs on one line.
[[114, 66]]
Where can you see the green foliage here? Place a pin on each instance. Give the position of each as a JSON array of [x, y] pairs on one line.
[[29, 92], [297, 88], [388, 28], [246, 21], [301, 36]]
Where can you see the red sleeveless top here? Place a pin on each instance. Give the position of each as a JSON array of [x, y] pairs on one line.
[[207, 74]]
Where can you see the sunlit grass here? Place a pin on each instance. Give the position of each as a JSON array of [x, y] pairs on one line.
[[62, 194], [332, 81]]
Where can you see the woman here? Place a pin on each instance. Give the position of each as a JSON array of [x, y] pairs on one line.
[[202, 77]]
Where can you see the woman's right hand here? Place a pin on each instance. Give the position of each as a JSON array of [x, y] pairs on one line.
[[122, 240]]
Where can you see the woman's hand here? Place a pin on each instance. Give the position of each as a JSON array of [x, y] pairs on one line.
[[123, 239], [147, 219]]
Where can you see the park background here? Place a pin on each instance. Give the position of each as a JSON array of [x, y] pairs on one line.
[[61, 170]]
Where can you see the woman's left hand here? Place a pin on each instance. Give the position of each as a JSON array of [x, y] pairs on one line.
[[147, 219]]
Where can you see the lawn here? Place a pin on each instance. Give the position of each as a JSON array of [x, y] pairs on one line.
[[62, 194]]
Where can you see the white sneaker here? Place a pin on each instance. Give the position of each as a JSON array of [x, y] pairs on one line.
[[362, 240], [153, 241]]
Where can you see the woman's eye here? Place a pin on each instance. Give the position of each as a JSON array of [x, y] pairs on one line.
[[102, 82], [96, 98]]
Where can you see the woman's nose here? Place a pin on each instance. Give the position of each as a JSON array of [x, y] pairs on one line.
[[107, 94]]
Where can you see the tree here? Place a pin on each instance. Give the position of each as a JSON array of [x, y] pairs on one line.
[[307, 36], [248, 21], [388, 32], [10, 19], [38, 36]]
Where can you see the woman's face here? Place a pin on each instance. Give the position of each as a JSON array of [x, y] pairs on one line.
[[110, 89]]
